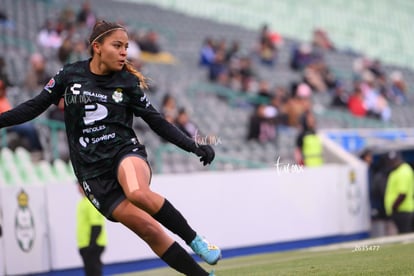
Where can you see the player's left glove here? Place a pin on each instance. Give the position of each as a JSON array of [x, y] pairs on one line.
[[206, 152]]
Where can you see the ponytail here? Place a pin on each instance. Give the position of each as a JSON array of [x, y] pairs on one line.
[[139, 75]]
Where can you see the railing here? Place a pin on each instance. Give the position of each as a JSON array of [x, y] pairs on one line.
[[52, 125], [233, 97], [347, 120], [168, 148]]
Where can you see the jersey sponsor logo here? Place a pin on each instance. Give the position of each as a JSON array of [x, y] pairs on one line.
[[75, 88], [76, 96], [94, 129], [144, 99], [94, 112], [117, 96], [100, 97], [50, 85], [104, 137], [84, 141]]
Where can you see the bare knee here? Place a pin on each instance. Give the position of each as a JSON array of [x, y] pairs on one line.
[[145, 200], [151, 233]]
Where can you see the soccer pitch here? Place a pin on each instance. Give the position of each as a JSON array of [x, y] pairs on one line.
[[372, 259]]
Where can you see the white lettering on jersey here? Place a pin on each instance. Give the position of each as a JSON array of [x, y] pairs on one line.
[[86, 187], [104, 137], [145, 100], [94, 129], [94, 112], [84, 141], [75, 88]]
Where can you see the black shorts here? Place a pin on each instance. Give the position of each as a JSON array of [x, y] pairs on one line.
[[104, 191]]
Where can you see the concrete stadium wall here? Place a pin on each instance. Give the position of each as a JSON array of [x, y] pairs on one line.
[[234, 209]]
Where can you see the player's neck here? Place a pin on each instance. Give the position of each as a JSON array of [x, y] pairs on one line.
[[98, 68]]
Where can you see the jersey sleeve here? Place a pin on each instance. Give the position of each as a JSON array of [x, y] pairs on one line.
[[51, 93], [56, 86], [143, 108]]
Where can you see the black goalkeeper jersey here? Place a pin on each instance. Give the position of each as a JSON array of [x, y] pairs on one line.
[[99, 114]]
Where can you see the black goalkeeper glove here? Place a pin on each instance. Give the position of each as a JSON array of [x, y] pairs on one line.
[[206, 152]]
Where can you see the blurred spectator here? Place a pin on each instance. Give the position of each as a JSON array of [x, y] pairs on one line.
[[264, 90], [183, 122], [363, 64], [246, 72], [399, 193], [73, 49], [340, 97], [267, 48], [134, 51], [74, 46], [5, 21], [86, 16], [207, 52], [3, 16], [278, 101], [232, 52], [356, 103], [301, 57], [266, 34], [267, 53], [169, 108], [37, 76], [398, 88], [375, 67], [217, 67], [26, 131], [149, 42], [309, 149], [375, 103], [262, 124], [49, 36], [321, 40], [305, 58], [377, 181], [67, 17], [4, 76], [298, 103]]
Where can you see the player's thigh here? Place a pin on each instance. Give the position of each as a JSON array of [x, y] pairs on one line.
[[134, 174]]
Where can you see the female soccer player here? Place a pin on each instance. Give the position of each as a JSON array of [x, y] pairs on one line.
[[101, 95]]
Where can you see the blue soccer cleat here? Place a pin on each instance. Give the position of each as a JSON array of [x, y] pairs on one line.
[[206, 251]]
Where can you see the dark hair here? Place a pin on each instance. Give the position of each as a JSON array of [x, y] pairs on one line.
[[101, 30], [365, 153]]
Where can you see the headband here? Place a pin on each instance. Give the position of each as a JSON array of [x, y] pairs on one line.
[[110, 30]]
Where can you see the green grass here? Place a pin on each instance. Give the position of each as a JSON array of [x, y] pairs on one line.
[[389, 259]]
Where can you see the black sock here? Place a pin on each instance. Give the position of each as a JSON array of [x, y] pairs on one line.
[[172, 219], [180, 260]]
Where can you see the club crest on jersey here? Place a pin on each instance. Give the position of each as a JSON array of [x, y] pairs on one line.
[[50, 85], [117, 96]]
